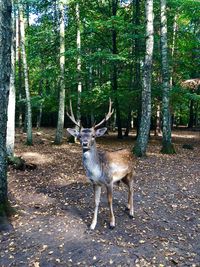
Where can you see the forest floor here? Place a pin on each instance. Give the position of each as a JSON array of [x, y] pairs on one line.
[[54, 206]]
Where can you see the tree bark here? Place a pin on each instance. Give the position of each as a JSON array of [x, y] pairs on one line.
[[167, 146], [78, 43], [144, 128], [158, 120], [19, 60], [29, 140], [191, 115], [10, 136], [114, 81], [135, 66], [5, 69], [39, 115], [61, 111], [175, 27], [137, 74]]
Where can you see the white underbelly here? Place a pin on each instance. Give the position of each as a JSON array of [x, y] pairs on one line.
[[118, 171]]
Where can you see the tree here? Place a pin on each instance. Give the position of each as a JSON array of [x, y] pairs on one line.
[[144, 128], [112, 45], [61, 111], [19, 62], [5, 69], [114, 81], [29, 139], [10, 136], [78, 43], [167, 146]]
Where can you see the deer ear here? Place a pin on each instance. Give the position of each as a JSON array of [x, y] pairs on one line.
[[100, 132], [73, 132]]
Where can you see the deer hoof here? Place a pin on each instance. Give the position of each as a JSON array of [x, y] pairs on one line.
[[112, 225], [92, 226], [88, 231], [131, 216]]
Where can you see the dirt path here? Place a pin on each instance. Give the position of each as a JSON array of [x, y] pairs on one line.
[[55, 207]]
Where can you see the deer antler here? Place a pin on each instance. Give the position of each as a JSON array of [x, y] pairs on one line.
[[71, 115], [108, 115]]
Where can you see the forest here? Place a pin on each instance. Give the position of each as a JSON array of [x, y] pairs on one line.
[[67, 67]]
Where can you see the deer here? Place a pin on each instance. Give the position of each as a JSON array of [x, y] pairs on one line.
[[104, 168]]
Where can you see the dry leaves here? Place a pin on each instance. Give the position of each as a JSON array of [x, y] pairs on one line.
[[55, 206]]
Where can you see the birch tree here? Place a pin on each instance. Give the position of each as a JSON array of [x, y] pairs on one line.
[[10, 136], [29, 140], [5, 69], [19, 63], [144, 128], [78, 42], [167, 146], [61, 111], [114, 77]]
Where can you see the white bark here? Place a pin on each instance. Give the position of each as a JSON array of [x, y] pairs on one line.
[[61, 111], [27, 90], [175, 26], [10, 137], [166, 122], [78, 42], [143, 136]]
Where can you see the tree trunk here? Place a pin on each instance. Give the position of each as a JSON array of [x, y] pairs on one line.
[[61, 111], [137, 75], [158, 120], [5, 69], [135, 67], [175, 27], [29, 140], [114, 81], [144, 128], [19, 59], [39, 115], [196, 115], [78, 42], [191, 116], [167, 146], [128, 123], [10, 138]]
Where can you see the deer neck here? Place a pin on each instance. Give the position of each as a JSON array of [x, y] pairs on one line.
[[92, 163]]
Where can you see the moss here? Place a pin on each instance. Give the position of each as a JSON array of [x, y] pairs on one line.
[[6, 209], [137, 152], [57, 143], [17, 162], [29, 143], [168, 149]]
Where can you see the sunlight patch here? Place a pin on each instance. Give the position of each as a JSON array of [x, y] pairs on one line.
[[37, 158]]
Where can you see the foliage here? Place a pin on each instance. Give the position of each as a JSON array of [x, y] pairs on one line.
[[97, 58]]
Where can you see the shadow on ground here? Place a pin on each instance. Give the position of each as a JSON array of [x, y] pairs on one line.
[[55, 208]]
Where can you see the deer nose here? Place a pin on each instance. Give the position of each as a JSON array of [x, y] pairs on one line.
[[85, 144]]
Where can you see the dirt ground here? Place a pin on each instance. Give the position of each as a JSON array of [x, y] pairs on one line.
[[54, 206]]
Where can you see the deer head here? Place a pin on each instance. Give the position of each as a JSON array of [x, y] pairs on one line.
[[87, 136]]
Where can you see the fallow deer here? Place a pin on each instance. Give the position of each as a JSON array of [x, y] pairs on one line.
[[104, 168]]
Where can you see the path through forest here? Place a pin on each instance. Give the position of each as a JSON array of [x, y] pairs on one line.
[[55, 207]]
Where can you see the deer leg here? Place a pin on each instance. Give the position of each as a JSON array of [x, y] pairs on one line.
[[110, 203], [128, 180], [97, 194], [130, 198]]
